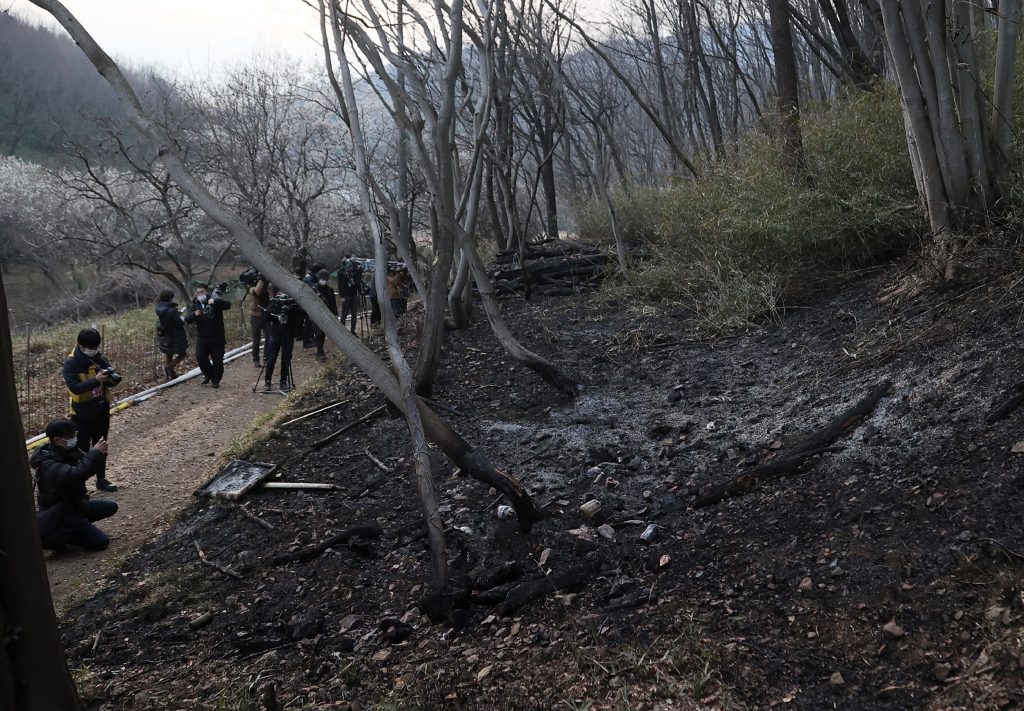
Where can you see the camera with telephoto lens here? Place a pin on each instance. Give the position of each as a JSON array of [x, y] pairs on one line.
[[111, 373], [250, 277]]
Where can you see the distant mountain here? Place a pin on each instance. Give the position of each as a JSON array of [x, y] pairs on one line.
[[47, 87]]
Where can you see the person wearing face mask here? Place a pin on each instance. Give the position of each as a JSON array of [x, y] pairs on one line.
[[326, 294], [207, 313], [66, 514], [89, 377]]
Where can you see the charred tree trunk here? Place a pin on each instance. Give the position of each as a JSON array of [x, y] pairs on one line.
[[33, 673], [787, 83]]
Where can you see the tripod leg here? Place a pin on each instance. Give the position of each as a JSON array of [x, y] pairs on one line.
[[259, 377]]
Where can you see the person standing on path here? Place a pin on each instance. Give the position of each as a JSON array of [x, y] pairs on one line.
[[170, 334], [350, 283], [256, 301], [326, 294], [89, 377], [208, 315]]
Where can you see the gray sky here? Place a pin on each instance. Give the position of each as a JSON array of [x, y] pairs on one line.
[[197, 37], [192, 36]]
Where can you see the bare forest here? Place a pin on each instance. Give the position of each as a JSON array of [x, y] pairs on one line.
[[682, 371]]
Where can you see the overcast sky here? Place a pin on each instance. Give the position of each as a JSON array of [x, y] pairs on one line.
[[197, 37], [192, 36]]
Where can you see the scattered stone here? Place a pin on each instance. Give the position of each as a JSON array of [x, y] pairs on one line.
[[649, 533], [836, 679], [505, 512], [201, 621], [940, 671], [607, 532], [1018, 448], [349, 622], [674, 396], [591, 509], [891, 630], [307, 625], [806, 585], [395, 631]]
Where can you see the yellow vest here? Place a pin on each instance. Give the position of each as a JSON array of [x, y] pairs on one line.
[[89, 395]]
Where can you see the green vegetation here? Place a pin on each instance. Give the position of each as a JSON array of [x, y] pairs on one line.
[[752, 235]]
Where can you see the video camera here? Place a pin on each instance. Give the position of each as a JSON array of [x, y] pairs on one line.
[[250, 277], [280, 306]]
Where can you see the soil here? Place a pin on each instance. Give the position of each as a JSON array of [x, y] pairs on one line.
[[883, 575], [161, 450]]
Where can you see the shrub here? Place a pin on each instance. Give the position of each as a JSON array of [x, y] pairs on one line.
[[751, 234]]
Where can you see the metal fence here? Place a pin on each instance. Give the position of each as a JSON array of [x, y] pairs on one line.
[[38, 361]]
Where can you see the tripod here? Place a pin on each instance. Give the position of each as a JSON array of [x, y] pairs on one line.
[[278, 345]]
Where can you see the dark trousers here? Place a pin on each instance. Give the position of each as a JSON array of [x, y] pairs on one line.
[[349, 308], [374, 311], [91, 429], [319, 337], [307, 331], [256, 326], [210, 356], [283, 346], [77, 528]]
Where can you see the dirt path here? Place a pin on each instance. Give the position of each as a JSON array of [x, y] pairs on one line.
[[160, 451]]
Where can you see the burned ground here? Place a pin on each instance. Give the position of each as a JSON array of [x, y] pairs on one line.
[[884, 575]]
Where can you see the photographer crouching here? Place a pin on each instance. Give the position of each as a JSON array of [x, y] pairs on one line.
[[281, 327], [66, 514], [207, 313], [89, 378]]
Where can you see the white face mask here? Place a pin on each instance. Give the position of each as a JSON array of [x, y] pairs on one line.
[[202, 298], [91, 352], [323, 282], [71, 442]]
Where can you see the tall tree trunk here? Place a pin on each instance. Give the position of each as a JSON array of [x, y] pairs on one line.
[[1002, 101], [787, 83], [547, 174], [33, 673]]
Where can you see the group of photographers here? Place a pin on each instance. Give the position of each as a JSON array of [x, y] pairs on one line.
[[76, 450]]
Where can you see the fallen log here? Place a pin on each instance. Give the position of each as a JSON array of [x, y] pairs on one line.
[[1009, 405], [364, 530], [566, 579], [817, 443]]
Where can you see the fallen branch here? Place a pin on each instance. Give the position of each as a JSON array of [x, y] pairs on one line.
[[527, 592], [443, 407], [368, 529], [380, 465], [216, 566], [351, 425], [316, 411], [254, 518], [817, 443], [1008, 406]]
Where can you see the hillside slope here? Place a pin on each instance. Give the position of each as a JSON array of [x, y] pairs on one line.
[[882, 575]]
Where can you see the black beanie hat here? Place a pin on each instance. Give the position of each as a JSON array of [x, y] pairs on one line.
[[60, 428], [89, 337]]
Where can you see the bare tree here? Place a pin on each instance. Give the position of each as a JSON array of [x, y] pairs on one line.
[[33, 673]]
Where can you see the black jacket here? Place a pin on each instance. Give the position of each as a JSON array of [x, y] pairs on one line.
[[171, 337], [350, 279], [89, 397], [210, 324], [326, 294], [61, 475]]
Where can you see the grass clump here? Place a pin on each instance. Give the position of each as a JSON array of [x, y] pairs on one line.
[[752, 233]]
